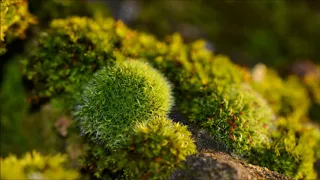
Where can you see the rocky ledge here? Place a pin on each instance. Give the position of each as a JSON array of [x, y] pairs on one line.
[[219, 165], [214, 162]]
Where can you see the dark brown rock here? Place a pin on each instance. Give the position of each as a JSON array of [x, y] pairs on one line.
[[221, 166], [214, 162]]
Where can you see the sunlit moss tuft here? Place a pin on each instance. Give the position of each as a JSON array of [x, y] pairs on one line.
[[154, 149], [35, 166], [15, 20], [118, 97]]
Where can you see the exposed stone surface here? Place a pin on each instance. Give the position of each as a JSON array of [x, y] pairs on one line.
[[221, 166], [214, 162]]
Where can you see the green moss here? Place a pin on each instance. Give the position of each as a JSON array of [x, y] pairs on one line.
[[238, 117], [35, 166], [118, 97], [62, 58], [215, 94], [210, 92], [294, 140], [15, 20], [286, 97], [236, 107], [154, 149], [293, 151], [136, 44], [124, 108]]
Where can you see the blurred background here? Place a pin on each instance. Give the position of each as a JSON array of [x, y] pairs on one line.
[[275, 32]]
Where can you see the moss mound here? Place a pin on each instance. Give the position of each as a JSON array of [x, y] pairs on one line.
[[154, 149], [237, 116], [119, 96]]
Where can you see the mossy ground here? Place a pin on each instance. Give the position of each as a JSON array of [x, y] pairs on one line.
[[114, 77]]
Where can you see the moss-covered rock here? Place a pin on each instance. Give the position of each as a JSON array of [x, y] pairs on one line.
[[118, 97], [293, 131], [286, 97], [154, 149], [293, 151], [123, 112], [237, 116], [217, 165], [237, 108], [63, 57]]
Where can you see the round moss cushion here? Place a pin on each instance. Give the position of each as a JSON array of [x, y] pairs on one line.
[[119, 96]]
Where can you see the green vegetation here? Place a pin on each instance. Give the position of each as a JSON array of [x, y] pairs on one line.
[[286, 97], [118, 85], [118, 97], [60, 59], [211, 90], [236, 116], [294, 149], [289, 99], [154, 149], [123, 110], [36, 166], [266, 129], [15, 20]]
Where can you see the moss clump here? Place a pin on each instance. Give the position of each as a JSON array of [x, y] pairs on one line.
[[293, 151], [237, 116], [286, 97], [15, 20], [123, 113], [62, 58], [154, 149], [35, 166], [119, 96], [295, 141], [214, 93], [211, 90]]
